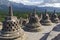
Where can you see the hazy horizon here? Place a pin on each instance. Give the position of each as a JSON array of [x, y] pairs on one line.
[[50, 3]]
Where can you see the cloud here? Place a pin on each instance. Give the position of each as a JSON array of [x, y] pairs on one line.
[[17, 1], [28, 2], [32, 2], [45, 1], [51, 3]]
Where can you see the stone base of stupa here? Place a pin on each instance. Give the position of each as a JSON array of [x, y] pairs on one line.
[[46, 22], [12, 35], [19, 38], [35, 27], [56, 20]]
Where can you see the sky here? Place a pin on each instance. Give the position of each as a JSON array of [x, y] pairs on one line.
[[51, 3]]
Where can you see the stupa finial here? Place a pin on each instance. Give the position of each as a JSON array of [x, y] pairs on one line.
[[10, 11], [34, 11], [45, 11], [54, 11]]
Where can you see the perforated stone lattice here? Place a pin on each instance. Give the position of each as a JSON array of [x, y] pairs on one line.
[[11, 26]]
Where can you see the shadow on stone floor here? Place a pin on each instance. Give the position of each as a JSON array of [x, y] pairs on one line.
[[28, 30], [45, 36], [57, 37], [56, 28]]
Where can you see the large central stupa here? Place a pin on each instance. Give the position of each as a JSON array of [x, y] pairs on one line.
[[11, 28]]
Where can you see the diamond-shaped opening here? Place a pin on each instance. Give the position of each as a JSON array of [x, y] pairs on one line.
[[16, 28], [13, 29], [9, 25], [12, 24], [16, 24]]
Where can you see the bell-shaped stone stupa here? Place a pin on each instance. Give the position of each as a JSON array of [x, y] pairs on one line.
[[54, 17], [45, 19], [11, 29], [33, 25]]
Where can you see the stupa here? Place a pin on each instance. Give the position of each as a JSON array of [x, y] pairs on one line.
[[33, 25], [54, 17], [45, 19], [23, 21], [11, 29]]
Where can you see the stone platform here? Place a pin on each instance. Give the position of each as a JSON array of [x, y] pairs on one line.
[[47, 33]]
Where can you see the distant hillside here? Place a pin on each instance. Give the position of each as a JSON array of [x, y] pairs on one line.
[[22, 7]]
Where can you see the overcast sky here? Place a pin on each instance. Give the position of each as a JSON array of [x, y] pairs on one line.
[[53, 3]]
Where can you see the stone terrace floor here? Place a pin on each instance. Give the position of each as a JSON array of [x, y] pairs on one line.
[[47, 33]]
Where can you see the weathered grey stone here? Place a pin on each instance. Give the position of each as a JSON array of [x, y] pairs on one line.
[[34, 24], [23, 21], [45, 20], [11, 29], [54, 18]]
